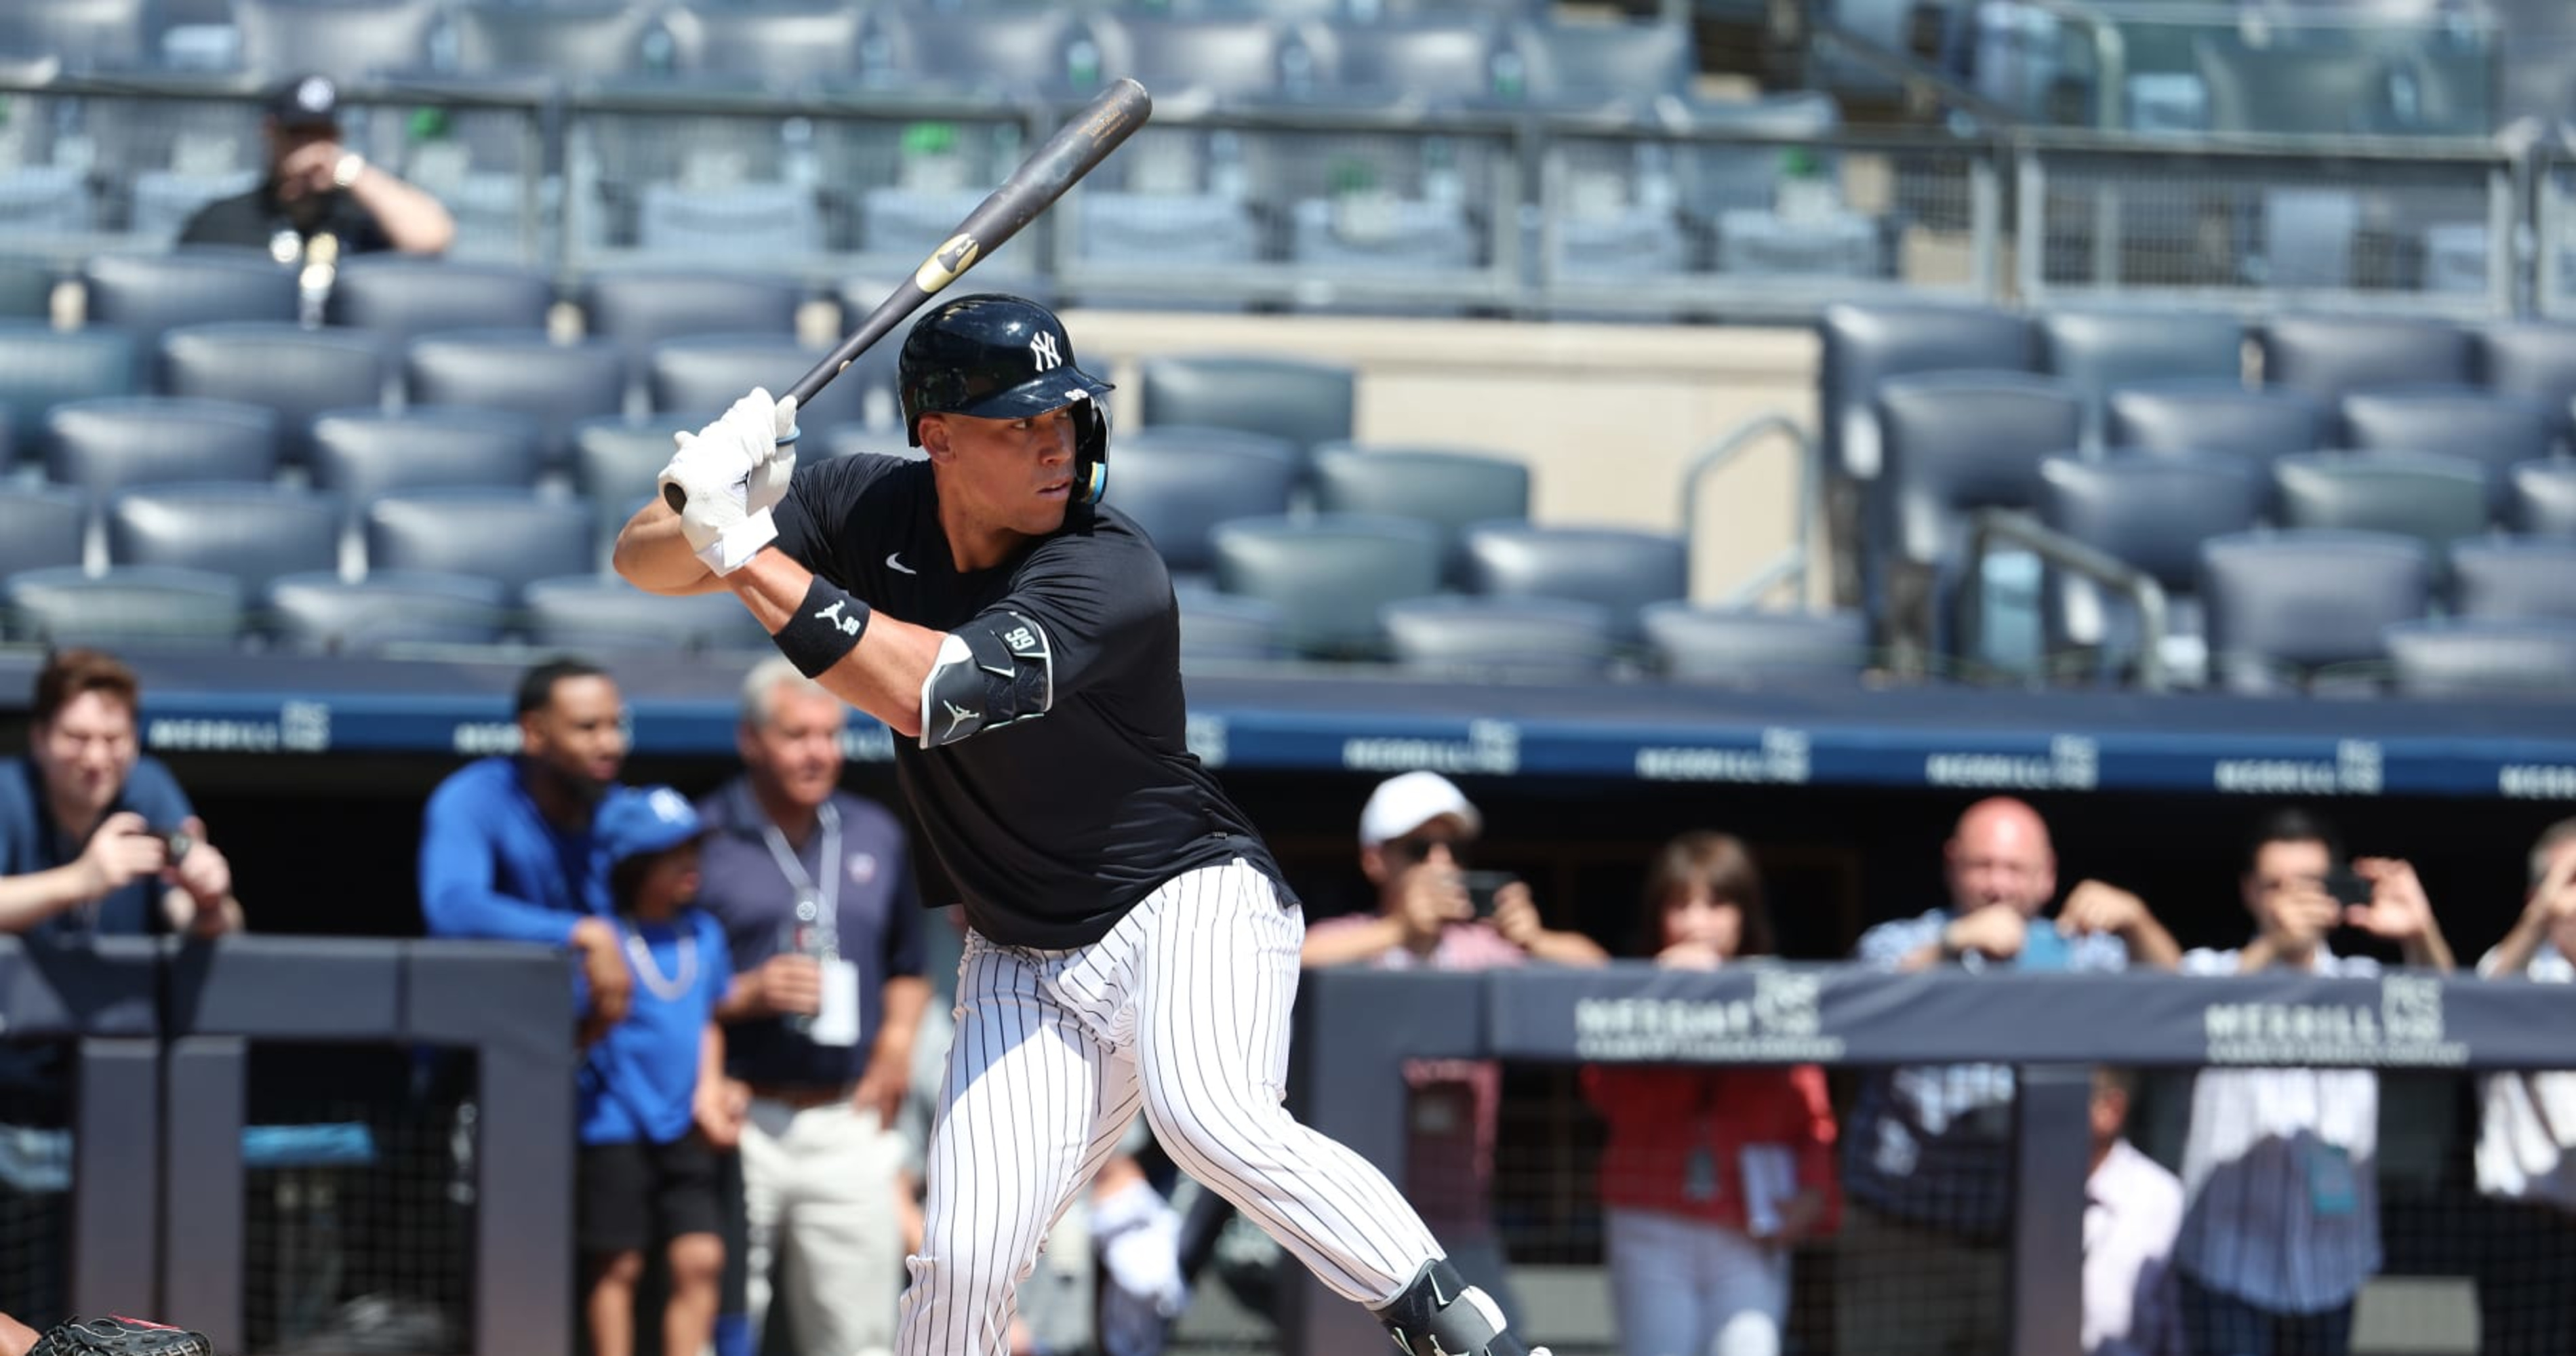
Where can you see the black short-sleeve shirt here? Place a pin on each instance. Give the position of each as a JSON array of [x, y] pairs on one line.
[[1050, 829], [255, 218]]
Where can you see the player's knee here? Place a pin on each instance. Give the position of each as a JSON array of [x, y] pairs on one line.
[[696, 1260]]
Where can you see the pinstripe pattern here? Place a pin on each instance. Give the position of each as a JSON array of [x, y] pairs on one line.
[[1181, 1009]]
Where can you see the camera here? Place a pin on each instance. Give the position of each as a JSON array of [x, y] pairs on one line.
[[2347, 886], [1481, 888], [175, 842]]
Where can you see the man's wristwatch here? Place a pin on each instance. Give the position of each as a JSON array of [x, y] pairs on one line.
[[346, 170]]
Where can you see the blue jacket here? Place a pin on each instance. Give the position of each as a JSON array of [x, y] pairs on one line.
[[492, 866]]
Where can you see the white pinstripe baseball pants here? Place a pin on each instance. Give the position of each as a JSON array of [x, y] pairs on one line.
[[1182, 1009]]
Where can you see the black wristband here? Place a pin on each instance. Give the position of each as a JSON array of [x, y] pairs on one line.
[[826, 626]]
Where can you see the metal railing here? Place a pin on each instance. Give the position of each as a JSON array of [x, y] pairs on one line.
[[2007, 527], [1796, 561]]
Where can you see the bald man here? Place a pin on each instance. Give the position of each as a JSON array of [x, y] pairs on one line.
[[1926, 1151]]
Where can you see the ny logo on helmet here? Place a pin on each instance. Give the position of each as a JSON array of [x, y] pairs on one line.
[[1043, 348]]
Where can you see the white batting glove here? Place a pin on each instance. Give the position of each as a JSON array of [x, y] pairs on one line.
[[716, 517]]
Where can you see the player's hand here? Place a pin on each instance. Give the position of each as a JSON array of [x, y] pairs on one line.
[[1995, 932], [2095, 907], [769, 476], [603, 964], [1690, 956], [1516, 915], [881, 1091], [1432, 900], [788, 983], [1800, 1214], [203, 872], [2398, 909], [122, 850], [308, 171], [2553, 901], [2296, 917], [719, 1110], [714, 517]]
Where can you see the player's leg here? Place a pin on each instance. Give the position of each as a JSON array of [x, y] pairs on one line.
[[1212, 1045], [1026, 1094]]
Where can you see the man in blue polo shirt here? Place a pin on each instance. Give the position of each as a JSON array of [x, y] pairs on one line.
[[96, 838], [815, 890], [505, 843]]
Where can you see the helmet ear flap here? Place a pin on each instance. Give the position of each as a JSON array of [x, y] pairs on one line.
[[1090, 451]]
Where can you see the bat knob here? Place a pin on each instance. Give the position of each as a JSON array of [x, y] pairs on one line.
[[676, 497]]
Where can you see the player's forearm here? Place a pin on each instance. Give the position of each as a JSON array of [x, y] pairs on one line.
[[904, 1000], [1567, 948], [413, 220], [2513, 954], [882, 675], [1343, 946], [28, 900], [653, 556], [2428, 950]]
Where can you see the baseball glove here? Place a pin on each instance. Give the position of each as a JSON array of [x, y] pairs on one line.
[[113, 1336]]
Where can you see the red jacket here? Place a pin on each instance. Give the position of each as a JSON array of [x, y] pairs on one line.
[[1659, 1116]]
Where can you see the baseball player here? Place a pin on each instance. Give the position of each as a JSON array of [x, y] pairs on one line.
[[1131, 942], [101, 1337]]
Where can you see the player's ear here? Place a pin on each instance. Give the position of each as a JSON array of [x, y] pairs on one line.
[[1373, 865], [934, 438]]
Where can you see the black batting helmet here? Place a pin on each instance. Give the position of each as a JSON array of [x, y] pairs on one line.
[[1002, 357]]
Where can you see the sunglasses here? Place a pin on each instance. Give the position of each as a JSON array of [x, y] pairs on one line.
[[1413, 850]]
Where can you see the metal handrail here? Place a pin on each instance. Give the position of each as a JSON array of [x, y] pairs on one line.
[[2110, 57], [2014, 527], [1793, 561]]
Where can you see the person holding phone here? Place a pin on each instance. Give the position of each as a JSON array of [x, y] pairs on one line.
[[2281, 1193], [1417, 834]]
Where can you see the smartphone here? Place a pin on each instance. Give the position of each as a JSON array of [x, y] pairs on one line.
[[174, 841], [2347, 887], [1481, 888]]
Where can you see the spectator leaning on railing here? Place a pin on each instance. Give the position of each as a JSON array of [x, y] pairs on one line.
[[1710, 1175], [2526, 1156], [1926, 1151], [2281, 1222]]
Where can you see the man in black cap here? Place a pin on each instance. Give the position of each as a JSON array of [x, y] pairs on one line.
[[317, 187]]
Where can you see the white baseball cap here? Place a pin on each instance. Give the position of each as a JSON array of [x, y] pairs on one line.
[[1405, 803]]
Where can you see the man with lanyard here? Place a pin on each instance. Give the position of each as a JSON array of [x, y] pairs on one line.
[[317, 190], [814, 888]]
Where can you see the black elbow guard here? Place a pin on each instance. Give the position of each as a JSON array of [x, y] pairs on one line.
[[990, 672]]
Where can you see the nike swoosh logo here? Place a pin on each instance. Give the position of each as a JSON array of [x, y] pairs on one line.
[[894, 561]]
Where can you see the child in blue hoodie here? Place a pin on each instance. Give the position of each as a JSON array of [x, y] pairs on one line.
[[654, 1104]]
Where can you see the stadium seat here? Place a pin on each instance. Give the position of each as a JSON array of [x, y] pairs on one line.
[[1595, 65], [1225, 628], [1307, 403], [85, 35], [895, 218], [1007, 54], [2216, 417], [557, 384], [146, 294], [361, 454], [638, 308], [1448, 489], [1328, 575], [41, 527], [602, 612], [123, 608], [2151, 513], [1483, 639], [1738, 647], [566, 39], [508, 537], [2514, 579], [1178, 483], [692, 381], [402, 297], [2495, 431], [767, 220], [45, 202], [1440, 60], [41, 367], [1221, 57], [2280, 606], [1865, 345], [102, 446], [2532, 359], [343, 39], [323, 613], [2544, 498], [2329, 356], [1618, 569], [783, 42], [2099, 351], [252, 532], [617, 460], [2432, 498], [2335, 89], [2483, 659], [296, 372], [27, 288]]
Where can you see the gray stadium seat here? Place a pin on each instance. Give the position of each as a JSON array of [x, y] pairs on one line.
[[691, 381], [638, 308], [1448, 489], [1004, 53], [783, 42], [559, 385], [27, 288], [567, 39], [1953, 443], [2099, 351], [343, 39], [1441, 60], [1328, 575], [2435, 499], [2280, 606], [360, 454], [141, 605], [252, 532], [2532, 359], [323, 613], [297, 372], [2220, 417], [1592, 65], [1865, 345], [617, 459], [2544, 498], [1178, 483], [403, 297], [110, 444], [2509, 579], [1219, 56], [2495, 431], [1619, 569], [2293, 87], [41, 527], [603, 612], [2151, 513], [41, 367], [2483, 659], [2329, 356], [145, 294], [1225, 628], [1733, 646], [1307, 403], [509, 538], [755, 219], [86, 35], [1481, 639]]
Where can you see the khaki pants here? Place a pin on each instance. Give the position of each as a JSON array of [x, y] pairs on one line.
[[1902, 1289], [820, 1183]]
